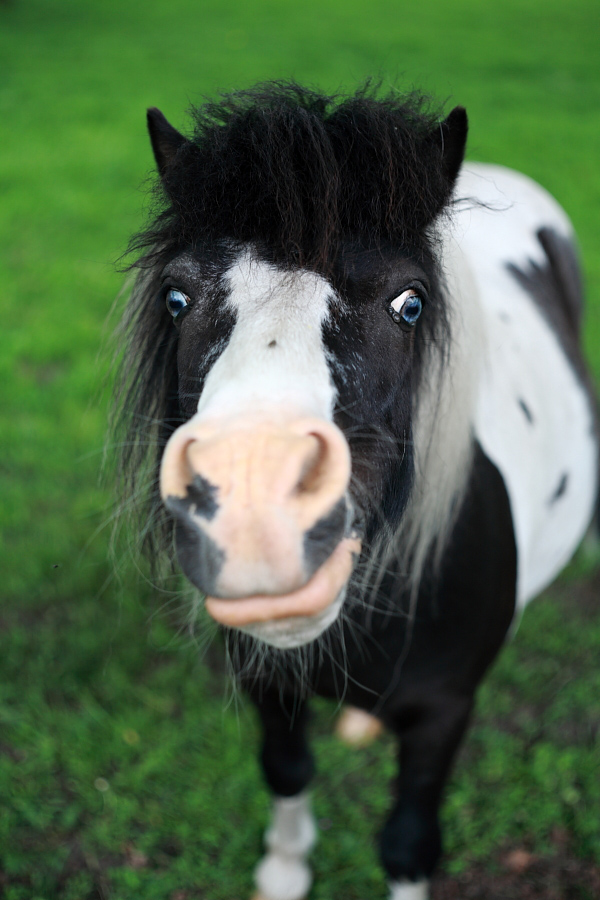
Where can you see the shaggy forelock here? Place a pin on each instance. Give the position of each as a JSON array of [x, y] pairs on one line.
[[296, 172]]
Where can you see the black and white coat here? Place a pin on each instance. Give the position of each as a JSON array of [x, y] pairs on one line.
[[481, 475]]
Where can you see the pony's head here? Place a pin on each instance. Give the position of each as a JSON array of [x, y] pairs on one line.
[[288, 310]]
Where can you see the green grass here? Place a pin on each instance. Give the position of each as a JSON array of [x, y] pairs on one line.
[[115, 739]]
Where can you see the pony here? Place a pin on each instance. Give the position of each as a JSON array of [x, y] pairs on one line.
[[353, 381]]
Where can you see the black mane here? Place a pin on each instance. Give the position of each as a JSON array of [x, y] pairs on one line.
[[295, 172]]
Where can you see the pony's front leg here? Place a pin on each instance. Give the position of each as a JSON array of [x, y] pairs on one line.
[[410, 842], [283, 873]]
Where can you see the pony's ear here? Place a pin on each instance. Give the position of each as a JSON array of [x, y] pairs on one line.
[[452, 138], [165, 139]]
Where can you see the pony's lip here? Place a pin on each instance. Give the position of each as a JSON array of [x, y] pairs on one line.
[[312, 598]]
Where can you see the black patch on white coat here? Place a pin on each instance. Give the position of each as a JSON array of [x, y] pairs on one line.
[[560, 490], [526, 411], [556, 287], [321, 540]]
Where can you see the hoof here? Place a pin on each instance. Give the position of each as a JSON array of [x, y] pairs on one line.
[[357, 728], [281, 877]]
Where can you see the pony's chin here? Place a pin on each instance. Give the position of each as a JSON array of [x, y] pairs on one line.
[[285, 634], [293, 619]]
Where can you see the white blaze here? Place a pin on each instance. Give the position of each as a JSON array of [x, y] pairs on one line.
[[275, 357]]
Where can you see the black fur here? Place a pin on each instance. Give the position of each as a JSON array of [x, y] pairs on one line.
[[297, 172], [201, 498], [557, 289], [199, 556], [165, 140], [526, 411], [561, 489], [321, 540]]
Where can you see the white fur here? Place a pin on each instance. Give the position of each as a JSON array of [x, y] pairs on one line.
[[283, 873], [272, 305], [409, 890], [524, 360], [442, 426]]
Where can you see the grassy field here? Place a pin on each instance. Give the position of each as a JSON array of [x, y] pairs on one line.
[[125, 770]]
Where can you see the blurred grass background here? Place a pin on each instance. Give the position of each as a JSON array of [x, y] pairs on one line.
[[123, 771]]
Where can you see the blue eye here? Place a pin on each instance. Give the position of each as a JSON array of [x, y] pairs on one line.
[[176, 302], [406, 309]]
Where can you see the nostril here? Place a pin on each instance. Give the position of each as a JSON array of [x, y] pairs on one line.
[[326, 470], [189, 457], [314, 468], [301, 468]]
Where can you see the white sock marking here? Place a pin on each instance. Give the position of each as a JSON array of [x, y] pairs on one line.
[[283, 874], [409, 890]]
